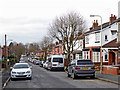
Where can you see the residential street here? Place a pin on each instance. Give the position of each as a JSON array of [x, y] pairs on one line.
[[57, 79]]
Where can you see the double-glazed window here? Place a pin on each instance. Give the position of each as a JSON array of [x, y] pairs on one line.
[[106, 38], [106, 57], [86, 55], [86, 39], [96, 56], [113, 32], [97, 37]]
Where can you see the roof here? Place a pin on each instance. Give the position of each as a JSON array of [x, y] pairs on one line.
[[113, 43], [118, 20], [99, 27], [77, 52]]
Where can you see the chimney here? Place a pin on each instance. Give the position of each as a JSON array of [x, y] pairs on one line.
[[95, 24], [112, 18]]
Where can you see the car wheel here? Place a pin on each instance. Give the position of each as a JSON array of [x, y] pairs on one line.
[[74, 76], [92, 77], [68, 74], [30, 78], [12, 79]]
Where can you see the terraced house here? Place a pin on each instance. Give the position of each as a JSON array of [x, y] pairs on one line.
[[109, 43]]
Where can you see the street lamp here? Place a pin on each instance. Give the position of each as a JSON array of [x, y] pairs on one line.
[[101, 38]]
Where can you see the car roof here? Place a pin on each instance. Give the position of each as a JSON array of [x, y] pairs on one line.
[[20, 63]]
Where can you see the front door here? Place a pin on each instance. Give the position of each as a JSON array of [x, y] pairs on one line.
[[112, 58]]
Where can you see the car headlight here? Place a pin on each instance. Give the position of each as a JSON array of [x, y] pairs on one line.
[[13, 72], [28, 72]]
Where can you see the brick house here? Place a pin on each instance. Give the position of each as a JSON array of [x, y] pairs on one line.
[[57, 49], [40, 54], [77, 49], [92, 48]]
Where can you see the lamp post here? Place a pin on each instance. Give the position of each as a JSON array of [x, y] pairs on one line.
[[101, 39]]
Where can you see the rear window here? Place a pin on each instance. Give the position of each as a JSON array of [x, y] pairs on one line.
[[84, 62], [60, 60]]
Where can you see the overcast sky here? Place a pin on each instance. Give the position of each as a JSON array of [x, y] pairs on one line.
[[28, 20]]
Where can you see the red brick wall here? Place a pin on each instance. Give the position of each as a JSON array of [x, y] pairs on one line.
[[111, 70]]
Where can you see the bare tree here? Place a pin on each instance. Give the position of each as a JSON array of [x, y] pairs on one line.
[[33, 47], [66, 28], [45, 44], [18, 49]]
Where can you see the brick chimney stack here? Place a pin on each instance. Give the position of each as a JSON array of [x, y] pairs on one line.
[[95, 24], [112, 18]]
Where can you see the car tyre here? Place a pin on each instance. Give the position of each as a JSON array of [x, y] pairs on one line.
[[92, 77], [68, 74], [74, 76], [12, 79], [30, 78]]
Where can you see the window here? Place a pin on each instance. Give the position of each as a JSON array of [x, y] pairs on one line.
[[113, 32], [86, 40], [106, 57], [106, 38], [49, 59], [96, 56], [60, 60], [84, 62], [97, 37], [86, 55], [119, 54], [80, 55]]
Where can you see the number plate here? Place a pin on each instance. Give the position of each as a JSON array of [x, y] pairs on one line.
[[85, 68]]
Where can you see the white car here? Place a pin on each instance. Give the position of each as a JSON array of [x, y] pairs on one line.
[[21, 70], [46, 65]]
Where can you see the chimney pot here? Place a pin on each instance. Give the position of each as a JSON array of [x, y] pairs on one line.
[[111, 15]]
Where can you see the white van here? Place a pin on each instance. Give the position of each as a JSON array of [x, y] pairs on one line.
[[56, 62]]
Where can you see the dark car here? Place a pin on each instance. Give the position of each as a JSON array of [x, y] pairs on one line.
[[41, 63], [37, 62], [82, 67]]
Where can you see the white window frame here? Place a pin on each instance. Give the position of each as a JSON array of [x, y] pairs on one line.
[[97, 37], [96, 56], [86, 39], [86, 55]]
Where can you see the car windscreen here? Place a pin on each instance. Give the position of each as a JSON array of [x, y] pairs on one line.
[[19, 66], [60, 60], [84, 62]]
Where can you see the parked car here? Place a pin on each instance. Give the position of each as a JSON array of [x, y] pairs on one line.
[[56, 62], [82, 67], [21, 61], [34, 60], [41, 63], [37, 62], [21, 70], [45, 65]]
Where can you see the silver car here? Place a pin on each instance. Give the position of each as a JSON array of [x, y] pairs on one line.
[[82, 67]]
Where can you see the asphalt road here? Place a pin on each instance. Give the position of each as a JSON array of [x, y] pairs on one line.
[[43, 78]]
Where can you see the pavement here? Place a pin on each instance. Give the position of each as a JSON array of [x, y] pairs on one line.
[[109, 78]]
